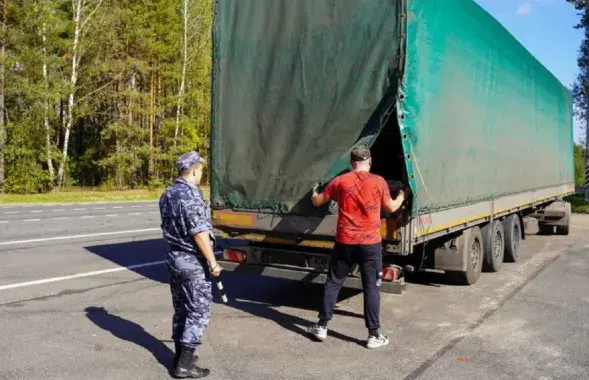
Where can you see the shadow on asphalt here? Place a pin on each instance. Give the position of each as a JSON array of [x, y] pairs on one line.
[[136, 252], [255, 295], [130, 331], [429, 279], [263, 298]]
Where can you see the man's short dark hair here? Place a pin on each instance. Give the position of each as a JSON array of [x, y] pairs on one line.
[[361, 153]]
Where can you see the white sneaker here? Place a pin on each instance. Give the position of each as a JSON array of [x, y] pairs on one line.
[[318, 332], [376, 342]]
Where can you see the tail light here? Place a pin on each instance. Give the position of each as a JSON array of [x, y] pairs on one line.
[[234, 255], [391, 273]]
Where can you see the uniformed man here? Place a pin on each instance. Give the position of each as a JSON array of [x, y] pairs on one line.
[[187, 228]]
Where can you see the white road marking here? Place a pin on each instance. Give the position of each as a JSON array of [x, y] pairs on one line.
[[79, 275], [3, 221], [12, 242], [134, 213], [36, 211], [11, 212], [136, 206], [79, 209], [31, 220], [118, 207], [88, 216], [61, 218], [112, 215], [58, 209], [154, 212], [99, 208]]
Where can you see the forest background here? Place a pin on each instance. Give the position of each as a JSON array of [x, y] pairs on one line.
[[105, 94], [101, 93]]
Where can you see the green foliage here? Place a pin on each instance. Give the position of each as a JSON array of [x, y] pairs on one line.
[[581, 86], [578, 204], [579, 152], [126, 97]]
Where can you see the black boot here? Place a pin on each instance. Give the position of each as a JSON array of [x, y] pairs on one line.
[[186, 367], [177, 350]]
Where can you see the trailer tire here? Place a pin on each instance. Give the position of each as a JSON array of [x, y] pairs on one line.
[[513, 236], [562, 230], [472, 242], [494, 246]]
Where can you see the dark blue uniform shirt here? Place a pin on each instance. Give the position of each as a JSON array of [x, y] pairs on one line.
[[184, 213]]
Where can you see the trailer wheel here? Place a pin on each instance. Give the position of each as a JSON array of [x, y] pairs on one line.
[[513, 236], [494, 246], [562, 230], [472, 242]]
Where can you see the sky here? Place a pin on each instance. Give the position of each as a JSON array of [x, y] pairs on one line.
[[546, 29]]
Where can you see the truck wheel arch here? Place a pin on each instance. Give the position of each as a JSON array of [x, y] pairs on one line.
[[470, 246]]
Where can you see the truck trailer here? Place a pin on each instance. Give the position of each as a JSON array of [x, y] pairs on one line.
[[449, 102]]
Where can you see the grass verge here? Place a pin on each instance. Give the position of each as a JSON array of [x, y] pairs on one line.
[[78, 196], [578, 203]]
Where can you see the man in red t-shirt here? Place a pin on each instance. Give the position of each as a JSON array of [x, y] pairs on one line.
[[360, 196]]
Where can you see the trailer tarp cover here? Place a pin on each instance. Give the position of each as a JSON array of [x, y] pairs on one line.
[[295, 84], [483, 117]]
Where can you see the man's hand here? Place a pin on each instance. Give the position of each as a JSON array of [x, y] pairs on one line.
[[215, 268], [318, 200], [393, 205], [203, 242]]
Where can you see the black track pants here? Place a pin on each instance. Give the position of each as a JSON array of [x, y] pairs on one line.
[[369, 257]]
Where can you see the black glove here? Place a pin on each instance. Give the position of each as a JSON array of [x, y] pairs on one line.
[[407, 191]]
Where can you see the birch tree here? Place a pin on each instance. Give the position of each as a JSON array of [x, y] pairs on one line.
[[46, 103], [82, 11]]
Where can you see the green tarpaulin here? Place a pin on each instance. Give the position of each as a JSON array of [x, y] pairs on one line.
[[483, 117], [294, 86], [298, 83]]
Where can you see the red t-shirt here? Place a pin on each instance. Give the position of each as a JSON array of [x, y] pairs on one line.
[[360, 196]]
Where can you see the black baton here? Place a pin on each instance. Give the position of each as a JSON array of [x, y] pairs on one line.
[[217, 280], [221, 290]]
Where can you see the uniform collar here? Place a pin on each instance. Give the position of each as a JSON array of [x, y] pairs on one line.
[[182, 181]]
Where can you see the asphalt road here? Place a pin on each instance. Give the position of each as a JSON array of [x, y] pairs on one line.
[[71, 310]]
